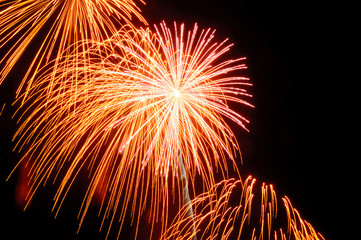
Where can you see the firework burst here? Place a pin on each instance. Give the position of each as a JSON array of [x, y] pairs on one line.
[[61, 23], [125, 109], [233, 209]]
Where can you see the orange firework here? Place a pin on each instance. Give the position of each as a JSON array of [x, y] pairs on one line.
[[232, 210], [125, 109], [60, 24]]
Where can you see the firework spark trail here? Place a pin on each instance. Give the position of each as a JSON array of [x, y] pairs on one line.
[[137, 101], [65, 23], [218, 216], [2, 109]]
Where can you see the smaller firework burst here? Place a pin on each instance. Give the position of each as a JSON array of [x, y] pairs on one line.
[[61, 24], [233, 209]]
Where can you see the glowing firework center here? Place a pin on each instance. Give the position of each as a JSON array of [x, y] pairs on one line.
[[176, 93]]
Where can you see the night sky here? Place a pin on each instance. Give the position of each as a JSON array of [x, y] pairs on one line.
[[294, 140]]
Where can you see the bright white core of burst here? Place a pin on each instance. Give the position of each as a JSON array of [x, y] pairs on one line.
[[176, 93]]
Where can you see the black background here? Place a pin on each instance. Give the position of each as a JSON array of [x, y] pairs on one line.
[[296, 139]]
